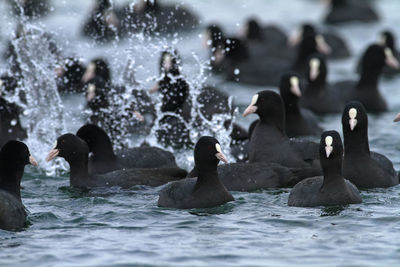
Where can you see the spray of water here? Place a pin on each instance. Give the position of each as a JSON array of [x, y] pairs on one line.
[[135, 74], [43, 109], [196, 77]]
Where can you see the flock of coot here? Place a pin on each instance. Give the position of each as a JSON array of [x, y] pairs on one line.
[[270, 154]]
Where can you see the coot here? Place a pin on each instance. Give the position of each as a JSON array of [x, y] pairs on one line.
[[331, 188], [76, 152], [206, 190], [363, 168], [14, 155]]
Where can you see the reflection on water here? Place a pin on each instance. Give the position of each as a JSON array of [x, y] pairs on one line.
[[332, 211]]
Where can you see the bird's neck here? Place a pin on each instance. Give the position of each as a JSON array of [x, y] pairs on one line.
[[362, 144], [332, 170], [369, 78], [206, 175], [274, 122], [79, 173], [10, 179], [303, 53], [292, 107], [317, 85]]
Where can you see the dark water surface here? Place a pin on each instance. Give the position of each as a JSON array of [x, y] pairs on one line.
[[68, 227]]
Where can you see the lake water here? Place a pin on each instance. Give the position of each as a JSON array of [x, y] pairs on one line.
[[68, 227]]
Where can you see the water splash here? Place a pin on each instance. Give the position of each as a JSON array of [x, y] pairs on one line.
[[137, 74], [196, 77], [43, 109]]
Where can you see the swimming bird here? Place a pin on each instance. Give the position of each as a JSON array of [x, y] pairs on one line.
[[173, 87], [97, 68], [344, 11], [251, 176], [388, 39], [102, 158], [102, 24], [269, 35], [69, 76], [76, 152], [363, 168], [152, 17], [176, 98], [214, 40], [230, 55], [269, 142], [318, 96], [310, 44], [176, 94], [333, 44], [299, 121], [240, 61], [108, 103], [212, 102], [98, 100], [176, 109], [265, 40], [206, 190], [14, 155], [331, 188], [366, 89]]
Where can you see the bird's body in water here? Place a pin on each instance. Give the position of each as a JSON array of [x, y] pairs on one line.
[[331, 188], [204, 191], [366, 90], [14, 156], [268, 140], [173, 130], [103, 159], [362, 167], [110, 110], [299, 121], [76, 152]]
